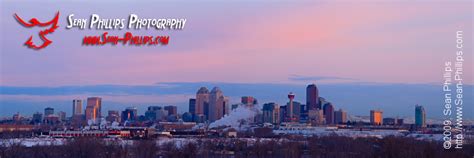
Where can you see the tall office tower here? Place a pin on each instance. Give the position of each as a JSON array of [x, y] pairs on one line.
[[130, 114], [113, 116], [315, 117], [290, 108], [340, 117], [328, 111], [216, 104], [151, 113], [76, 107], [172, 110], [322, 101], [48, 111], [297, 110], [37, 117], [248, 100], [312, 97], [376, 117], [271, 113], [202, 100], [283, 113], [192, 106], [161, 114], [420, 116], [226, 106], [205, 116], [93, 108], [62, 116]]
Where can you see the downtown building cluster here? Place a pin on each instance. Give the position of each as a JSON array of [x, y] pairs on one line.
[[206, 108]]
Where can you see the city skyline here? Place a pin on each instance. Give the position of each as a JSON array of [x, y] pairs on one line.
[[336, 97], [297, 110]]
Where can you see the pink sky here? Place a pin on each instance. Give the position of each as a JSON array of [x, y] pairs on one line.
[[261, 42]]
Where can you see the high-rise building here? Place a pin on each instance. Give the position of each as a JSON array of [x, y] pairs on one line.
[[161, 114], [216, 104], [172, 110], [303, 115], [340, 117], [316, 117], [205, 116], [48, 111], [62, 116], [226, 106], [187, 117], [297, 109], [93, 108], [248, 100], [192, 106], [420, 116], [202, 101], [328, 111], [113, 116], [130, 114], [312, 97], [37, 117], [150, 114], [271, 113], [376, 117], [76, 107]]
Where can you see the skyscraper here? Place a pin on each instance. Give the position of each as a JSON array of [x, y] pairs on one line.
[[216, 104], [376, 117], [420, 116], [248, 100], [340, 117], [62, 116], [298, 109], [312, 97], [48, 111], [271, 113], [192, 106], [226, 106], [76, 107], [151, 113], [93, 108], [37, 117], [129, 114], [113, 116], [172, 110], [202, 100], [315, 117], [328, 111]]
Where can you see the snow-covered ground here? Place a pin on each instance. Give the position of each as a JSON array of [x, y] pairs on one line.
[[433, 137], [323, 131], [32, 141], [179, 142]]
